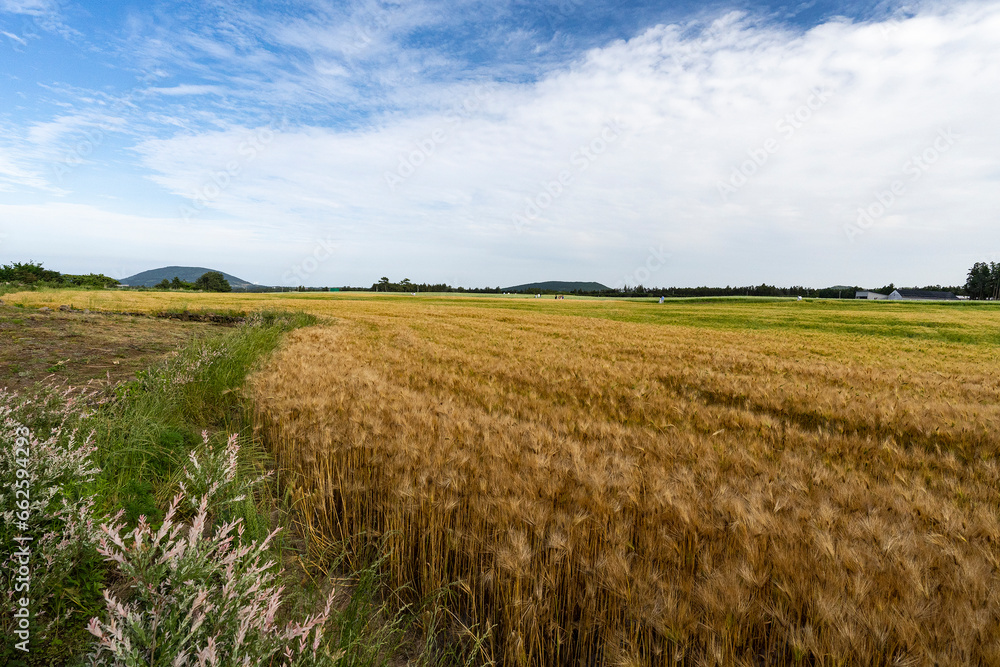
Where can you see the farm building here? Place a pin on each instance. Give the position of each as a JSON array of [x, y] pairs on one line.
[[869, 295], [903, 294]]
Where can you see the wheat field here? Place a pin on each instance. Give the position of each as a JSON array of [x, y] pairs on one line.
[[614, 483], [619, 493]]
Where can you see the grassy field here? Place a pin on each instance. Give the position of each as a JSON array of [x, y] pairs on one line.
[[605, 482]]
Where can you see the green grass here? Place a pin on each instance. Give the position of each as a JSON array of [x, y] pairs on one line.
[[144, 434], [942, 322]]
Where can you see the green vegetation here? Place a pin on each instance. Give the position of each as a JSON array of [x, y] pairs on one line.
[[153, 422], [141, 434], [983, 281], [120, 455], [212, 281], [405, 285], [34, 275]]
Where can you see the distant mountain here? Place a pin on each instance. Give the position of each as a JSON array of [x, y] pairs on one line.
[[186, 273], [557, 286]]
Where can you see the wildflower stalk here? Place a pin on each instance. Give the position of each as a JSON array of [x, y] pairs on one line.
[[200, 594], [46, 478]]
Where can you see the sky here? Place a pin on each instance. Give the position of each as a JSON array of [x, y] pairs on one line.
[[492, 143]]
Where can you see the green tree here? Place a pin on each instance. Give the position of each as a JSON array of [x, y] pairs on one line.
[[92, 280], [213, 281], [982, 280], [28, 273], [177, 283], [163, 284]]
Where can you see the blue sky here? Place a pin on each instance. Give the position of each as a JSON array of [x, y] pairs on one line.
[[492, 143]]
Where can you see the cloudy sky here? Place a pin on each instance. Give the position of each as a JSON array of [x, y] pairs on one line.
[[503, 141]]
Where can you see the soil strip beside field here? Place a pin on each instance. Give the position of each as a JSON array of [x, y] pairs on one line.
[[78, 347]]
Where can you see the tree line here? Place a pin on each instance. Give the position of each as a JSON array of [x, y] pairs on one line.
[[405, 285], [762, 290], [35, 275], [212, 281], [843, 292], [983, 281]]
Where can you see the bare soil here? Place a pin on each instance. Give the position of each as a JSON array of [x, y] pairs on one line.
[[76, 347]]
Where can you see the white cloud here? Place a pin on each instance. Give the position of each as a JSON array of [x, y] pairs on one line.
[[14, 175], [29, 7], [694, 108], [47, 14], [10, 35], [34, 158], [185, 89], [123, 244]]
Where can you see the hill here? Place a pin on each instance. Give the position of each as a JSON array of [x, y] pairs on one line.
[[558, 286], [185, 273]]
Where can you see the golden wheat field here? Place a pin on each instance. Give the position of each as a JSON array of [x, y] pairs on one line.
[[615, 483]]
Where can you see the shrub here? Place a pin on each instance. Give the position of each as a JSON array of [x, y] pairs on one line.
[[215, 473], [213, 281], [28, 273], [55, 521], [202, 595]]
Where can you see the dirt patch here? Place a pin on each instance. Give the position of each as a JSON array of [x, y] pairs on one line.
[[188, 316], [76, 347]]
